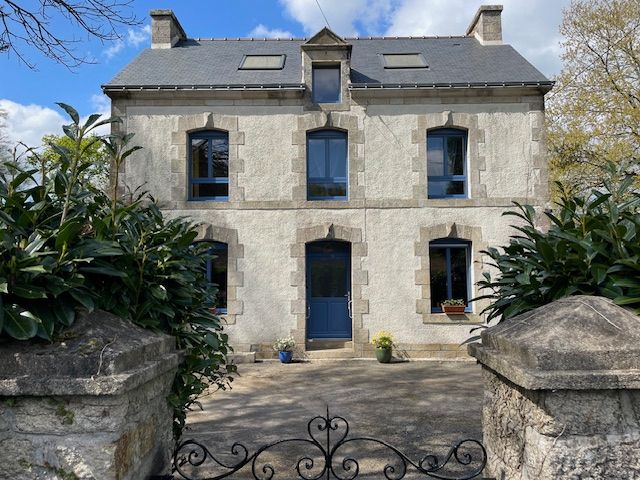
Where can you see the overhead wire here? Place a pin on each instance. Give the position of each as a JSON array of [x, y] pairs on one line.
[[323, 15]]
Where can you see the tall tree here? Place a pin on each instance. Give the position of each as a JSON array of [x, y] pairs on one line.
[[594, 110], [95, 160], [49, 25]]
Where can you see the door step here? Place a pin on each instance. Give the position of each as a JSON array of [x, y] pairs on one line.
[[338, 344], [334, 353]]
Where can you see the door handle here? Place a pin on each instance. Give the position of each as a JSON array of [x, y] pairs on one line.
[[349, 305], [308, 311]]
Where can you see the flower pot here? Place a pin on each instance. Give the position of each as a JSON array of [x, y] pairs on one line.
[[456, 309], [383, 355], [285, 357]]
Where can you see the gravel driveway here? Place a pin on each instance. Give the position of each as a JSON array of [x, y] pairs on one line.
[[420, 407]]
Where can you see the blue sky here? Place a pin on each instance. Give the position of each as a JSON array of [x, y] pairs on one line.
[[29, 97]]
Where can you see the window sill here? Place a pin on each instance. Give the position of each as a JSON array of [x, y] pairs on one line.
[[452, 319], [208, 199]]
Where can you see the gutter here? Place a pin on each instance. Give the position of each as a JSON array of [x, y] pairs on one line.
[[221, 87], [547, 85]]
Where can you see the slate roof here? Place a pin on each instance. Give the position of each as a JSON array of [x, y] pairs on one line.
[[214, 63]]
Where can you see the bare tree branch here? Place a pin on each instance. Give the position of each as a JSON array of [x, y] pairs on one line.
[[46, 26]]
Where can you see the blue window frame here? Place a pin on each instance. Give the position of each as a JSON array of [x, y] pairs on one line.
[[217, 270], [447, 163], [450, 272], [209, 166], [325, 83], [327, 165]]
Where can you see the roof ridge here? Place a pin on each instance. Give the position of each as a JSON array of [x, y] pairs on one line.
[[302, 39], [246, 39], [410, 37]]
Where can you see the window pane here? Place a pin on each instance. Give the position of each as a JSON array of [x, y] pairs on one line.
[[459, 273], [328, 277], [404, 60], [438, 272], [262, 62], [220, 157], [326, 84], [199, 190], [218, 273], [199, 158], [338, 157], [317, 157], [435, 156], [455, 156], [327, 190], [443, 188]]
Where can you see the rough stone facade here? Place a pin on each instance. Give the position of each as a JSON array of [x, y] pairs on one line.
[[562, 393], [387, 202], [90, 408]]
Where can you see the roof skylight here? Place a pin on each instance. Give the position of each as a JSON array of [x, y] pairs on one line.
[[403, 60], [262, 62]]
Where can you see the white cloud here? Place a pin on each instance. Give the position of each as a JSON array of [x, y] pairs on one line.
[[101, 104], [261, 31], [347, 18], [530, 27], [29, 123], [134, 38], [114, 49], [141, 35]]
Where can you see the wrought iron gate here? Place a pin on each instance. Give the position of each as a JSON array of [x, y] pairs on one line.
[[194, 461]]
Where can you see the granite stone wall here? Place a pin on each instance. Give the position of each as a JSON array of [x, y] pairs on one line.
[[388, 204], [90, 407]]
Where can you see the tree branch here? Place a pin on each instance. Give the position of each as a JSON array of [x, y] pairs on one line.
[[22, 28]]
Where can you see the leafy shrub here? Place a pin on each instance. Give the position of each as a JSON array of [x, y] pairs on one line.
[[67, 247], [591, 248]]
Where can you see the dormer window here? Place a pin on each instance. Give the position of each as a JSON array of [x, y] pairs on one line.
[[403, 60], [262, 62], [326, 83]]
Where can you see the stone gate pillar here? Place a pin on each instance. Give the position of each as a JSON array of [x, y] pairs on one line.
[[89, 406], [562, 392]]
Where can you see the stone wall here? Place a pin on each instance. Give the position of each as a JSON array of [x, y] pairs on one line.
[[90, 407], [387, 202], [562, 393]]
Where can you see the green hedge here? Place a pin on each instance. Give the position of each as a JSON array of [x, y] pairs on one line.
[[66, 247], [592, 247]]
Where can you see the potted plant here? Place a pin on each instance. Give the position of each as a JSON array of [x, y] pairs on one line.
[[284, 347], [383, 341], [453, 305]]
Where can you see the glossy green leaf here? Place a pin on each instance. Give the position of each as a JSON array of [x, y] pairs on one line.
[[72, 112], [29, 291], [19, 323]]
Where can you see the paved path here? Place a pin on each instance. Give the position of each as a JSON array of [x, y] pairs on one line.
[[420, 407]]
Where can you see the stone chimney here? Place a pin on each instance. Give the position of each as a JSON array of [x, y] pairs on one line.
[[486, 25], [166, 30]]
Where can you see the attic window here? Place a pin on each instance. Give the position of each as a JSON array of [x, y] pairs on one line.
[[262, 62], [403, 60]]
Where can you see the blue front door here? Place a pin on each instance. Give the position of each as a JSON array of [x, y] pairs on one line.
[[328, 290]]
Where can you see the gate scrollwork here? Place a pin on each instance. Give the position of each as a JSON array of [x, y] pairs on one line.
[[328, 437]]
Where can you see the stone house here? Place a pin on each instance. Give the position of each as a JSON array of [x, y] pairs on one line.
[[347, 185]]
